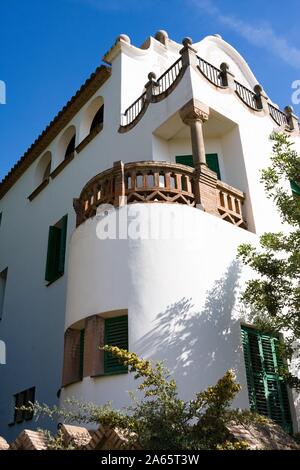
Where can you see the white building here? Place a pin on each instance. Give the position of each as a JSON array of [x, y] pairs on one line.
[[167, 284]]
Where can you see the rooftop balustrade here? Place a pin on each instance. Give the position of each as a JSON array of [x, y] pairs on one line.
[[221, 78]]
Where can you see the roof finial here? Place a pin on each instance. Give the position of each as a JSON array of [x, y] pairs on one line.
[[162, 36], [187, 42], [123, 37]]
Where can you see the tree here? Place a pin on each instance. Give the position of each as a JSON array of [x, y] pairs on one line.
[[274, 296], [158, 418]]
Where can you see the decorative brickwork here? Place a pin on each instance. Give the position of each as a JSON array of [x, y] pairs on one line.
[[94, 338], [3, 444], [71, 369], [260, 436], [29, 440], [205, 184], [77, 436]]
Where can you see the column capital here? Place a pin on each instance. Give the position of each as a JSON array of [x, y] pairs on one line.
[[193, 111]]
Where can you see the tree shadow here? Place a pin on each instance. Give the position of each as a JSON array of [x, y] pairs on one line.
[[198, 344]]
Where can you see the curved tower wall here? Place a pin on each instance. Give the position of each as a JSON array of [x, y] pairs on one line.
[[181, 294]]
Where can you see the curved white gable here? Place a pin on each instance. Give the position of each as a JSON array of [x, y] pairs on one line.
[[215, 50]]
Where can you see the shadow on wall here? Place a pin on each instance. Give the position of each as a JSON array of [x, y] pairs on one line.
[[199, 346]]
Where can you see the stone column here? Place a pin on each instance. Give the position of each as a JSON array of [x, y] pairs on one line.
[[194, 114]]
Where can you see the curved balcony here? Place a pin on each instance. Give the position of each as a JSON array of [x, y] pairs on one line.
[[163, 182]]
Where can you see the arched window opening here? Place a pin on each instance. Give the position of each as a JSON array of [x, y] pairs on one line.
[[97, 122], [47, 171], [71, 148]]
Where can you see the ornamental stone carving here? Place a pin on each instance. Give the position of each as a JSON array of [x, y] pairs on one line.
[[193, 111]]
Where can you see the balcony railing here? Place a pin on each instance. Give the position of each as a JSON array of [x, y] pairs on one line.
[[278, 116], [246, 95], [167, 79], [134, 110], [212, 73], [159, 182], [230, 202], [160, 88], [152, 182]]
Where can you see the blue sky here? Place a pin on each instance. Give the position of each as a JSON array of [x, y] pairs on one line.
[[49, 47]]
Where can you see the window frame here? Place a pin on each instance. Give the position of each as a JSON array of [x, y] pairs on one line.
[[56, 250], [22, 399], [111, 365]]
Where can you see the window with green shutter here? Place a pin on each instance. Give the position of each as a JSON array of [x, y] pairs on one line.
[[115, 334], [55, 265], [212, 161], [185, 160], [295, 188], [267, 391]]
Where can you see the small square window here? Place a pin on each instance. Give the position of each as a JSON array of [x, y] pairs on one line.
[[23, 398]]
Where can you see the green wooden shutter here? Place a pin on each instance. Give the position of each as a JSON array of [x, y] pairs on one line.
[[185, 160], [295, 188], [267, 391], [211, 160], [54, 239], [213, 163], [62, 245], [115, 334], [81, 353]]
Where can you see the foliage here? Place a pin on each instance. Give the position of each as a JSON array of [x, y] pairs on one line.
[[158, 418], [56, 442], [274, 296]]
